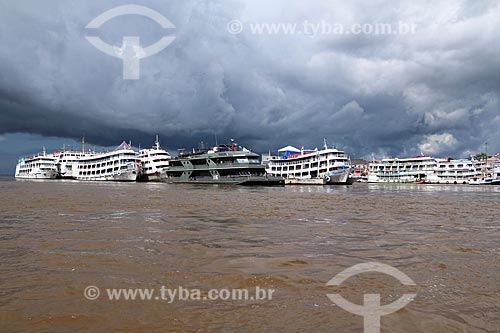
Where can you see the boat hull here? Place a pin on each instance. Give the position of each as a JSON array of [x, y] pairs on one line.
[[339, 177], [153, 177], [314, 181], [241, 180], [481, 181], [52, 174], [129, 176]]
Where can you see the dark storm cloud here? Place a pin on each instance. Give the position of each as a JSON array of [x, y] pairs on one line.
[[435, 91]]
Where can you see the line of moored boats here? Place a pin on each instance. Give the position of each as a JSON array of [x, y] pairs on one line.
[[430, 170], [234, 164]]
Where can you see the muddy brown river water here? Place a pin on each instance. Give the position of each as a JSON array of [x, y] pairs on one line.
[[59, 237]]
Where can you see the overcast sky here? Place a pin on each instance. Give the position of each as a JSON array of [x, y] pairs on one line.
[[434, 91]]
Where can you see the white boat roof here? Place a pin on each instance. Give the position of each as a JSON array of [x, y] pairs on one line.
[[288, 148], [123, 146]]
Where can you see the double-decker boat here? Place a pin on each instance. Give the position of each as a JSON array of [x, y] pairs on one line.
[[121, 164], [41, 166], [223, 164], [154, 161], [310, 167]]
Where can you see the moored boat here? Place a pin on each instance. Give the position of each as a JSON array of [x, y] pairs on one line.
[[454, 171], [154, 162], [121, 164], [401, 170], [496, 173], [310, 167], [429, 170], [223, 164], [41, 166]]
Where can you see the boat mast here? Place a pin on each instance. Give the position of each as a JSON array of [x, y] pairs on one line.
[[83, 144], [486, 152], [157, 143]]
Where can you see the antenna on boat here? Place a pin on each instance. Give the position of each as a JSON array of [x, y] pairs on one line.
[[325, 144], [157, 143], [216, 144], [83, 144]]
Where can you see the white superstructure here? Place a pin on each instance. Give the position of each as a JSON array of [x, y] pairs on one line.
[[299, 166], [121, 164], [41, 166], [455, 171], [66, 161], [496, 173], [404, 170], [425, 169], [486, 175], [154, 161]]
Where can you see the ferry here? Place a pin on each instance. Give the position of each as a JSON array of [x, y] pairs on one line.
[[404, 170], [455, 171], [41, 166], [154, 162], [121, 164], [222, 164], [309, 167]]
